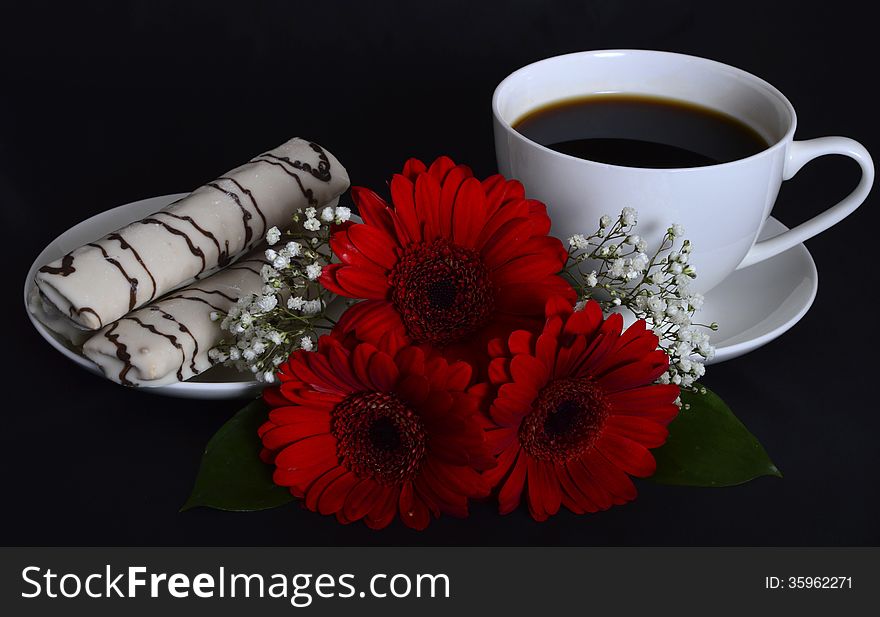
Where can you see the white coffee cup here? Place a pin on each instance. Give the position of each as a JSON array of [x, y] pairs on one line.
[[722, 207]]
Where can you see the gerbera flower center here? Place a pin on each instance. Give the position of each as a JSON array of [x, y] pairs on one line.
[[378, 437], [566, 420], [442, 291]]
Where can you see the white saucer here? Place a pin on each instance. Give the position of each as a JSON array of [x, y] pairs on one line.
[[757, 304], [752, 307]]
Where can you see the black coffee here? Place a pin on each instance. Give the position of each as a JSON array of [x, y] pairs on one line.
[[640, 131]]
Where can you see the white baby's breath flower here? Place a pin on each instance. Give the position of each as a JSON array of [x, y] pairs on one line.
[[311, 307], [343, 214], [676, 230], [305, 343], [268, 272], [592, 279], [267, 303], [311, 212], [604, 221], [579, 242], [313, 271], [312, 224], [281, 262], [269, 376], [327, 214], [295, 303], [293, 249], [629, 216], [273, 235], [275, 337], [214, 315]]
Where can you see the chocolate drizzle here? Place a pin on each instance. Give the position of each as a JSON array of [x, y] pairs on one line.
[[185, 330], [214, 291], [307, 193], [253, 199], [222, 253], [132, 282], [125, 246], [171, 338], [65, 269], [193, 299], [86, 309], [245, 215], [122, 354], [192, 247]]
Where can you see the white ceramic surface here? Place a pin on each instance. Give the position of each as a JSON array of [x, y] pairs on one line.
[[722, 207], [757, 304], [753, 306]]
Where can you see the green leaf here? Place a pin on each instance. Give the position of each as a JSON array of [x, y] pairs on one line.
[[709, 446], [231, 475]]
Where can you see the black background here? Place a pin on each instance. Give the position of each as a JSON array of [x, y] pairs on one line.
[[103, 104]]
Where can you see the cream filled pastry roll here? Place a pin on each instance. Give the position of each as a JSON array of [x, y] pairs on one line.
[[168, 341], [100, 282]]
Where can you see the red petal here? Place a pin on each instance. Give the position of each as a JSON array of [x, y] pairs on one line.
[[405, 207], [588, 484], [511, 492], [441, 166], [348, 253], [413, 389], [626, 454], [383, 372], [413, 167], [317, 488], [610, 477], [469, 213], [505, 243], [384, 510], [577, 502], [640, 373], [499, 371], [372, 320], [410, 361], [304, 452], [415, 514], [373, 210], [449, 188], [280, 436], [529, 371], [649, 434], [334, 496], [374, 244], [361, 500], [362, 283], [532, 301], [521, 342], [508, 412], [458, 376], [521, 394], [427, 202]]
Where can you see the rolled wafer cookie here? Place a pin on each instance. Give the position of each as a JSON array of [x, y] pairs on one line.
[[168, 341], [100, 282]]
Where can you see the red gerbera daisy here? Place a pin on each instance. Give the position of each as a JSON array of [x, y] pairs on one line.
[[452, 259], [576, 411], [365, 434]]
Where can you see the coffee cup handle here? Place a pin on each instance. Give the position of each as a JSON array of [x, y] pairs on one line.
[[799, 154]]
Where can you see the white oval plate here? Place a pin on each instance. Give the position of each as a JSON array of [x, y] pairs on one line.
[[752, 307]]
